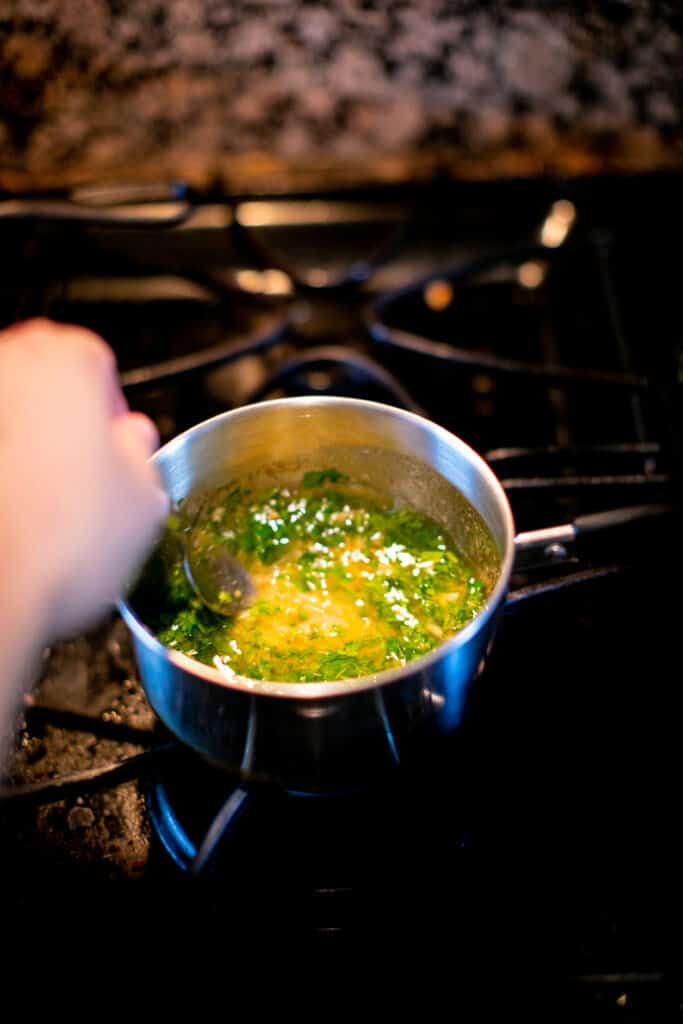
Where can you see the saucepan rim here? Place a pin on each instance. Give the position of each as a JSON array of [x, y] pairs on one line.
[[339, 688]]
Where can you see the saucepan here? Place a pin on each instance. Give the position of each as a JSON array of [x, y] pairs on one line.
[[319, 738]]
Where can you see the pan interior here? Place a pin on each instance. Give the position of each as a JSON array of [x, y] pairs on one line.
[[402, 477], [396, 453]]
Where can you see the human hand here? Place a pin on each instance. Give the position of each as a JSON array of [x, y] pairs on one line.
[[80, 504]]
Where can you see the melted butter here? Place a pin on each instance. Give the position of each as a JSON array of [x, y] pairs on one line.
[[347, 584]]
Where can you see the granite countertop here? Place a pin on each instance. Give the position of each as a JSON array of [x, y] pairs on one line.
[[277, 94]]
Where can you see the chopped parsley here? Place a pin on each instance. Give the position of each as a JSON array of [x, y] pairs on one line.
[[349, 583]]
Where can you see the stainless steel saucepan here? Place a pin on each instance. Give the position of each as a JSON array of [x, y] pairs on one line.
[[326, 737]]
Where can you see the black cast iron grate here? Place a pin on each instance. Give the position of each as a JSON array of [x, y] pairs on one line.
[[568, 431]]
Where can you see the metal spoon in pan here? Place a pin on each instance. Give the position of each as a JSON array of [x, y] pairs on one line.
[[217, 577]]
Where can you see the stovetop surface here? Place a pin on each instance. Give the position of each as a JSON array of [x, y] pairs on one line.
[[542, 832]]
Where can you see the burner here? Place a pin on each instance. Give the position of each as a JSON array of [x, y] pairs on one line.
[[335, 370], [321, 856]]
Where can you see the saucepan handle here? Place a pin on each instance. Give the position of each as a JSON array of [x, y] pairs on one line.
[[551, 540], [535, 548]]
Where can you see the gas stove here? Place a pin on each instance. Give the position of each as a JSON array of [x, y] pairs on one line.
[[538, 322]]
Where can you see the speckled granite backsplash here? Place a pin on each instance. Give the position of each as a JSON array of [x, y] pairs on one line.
[[281, 94]]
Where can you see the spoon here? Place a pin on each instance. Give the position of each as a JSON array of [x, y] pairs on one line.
[[217, 577]]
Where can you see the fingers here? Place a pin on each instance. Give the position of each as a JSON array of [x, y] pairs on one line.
[[138, 433], [42, 334], [72, 347], [71, 446], [119, 405], [137, 438]]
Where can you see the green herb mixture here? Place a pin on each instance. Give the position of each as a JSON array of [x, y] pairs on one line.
[[348, 583]]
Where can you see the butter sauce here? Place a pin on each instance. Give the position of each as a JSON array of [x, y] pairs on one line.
[[349, 583]]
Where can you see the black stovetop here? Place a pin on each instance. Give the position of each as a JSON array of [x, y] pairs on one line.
[[539, 323]]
